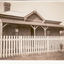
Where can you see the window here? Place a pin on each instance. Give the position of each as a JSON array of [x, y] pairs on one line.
[[16, 32]]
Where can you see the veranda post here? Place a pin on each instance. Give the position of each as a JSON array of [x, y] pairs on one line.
[[0, 38]]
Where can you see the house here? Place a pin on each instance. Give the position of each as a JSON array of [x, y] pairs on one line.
[[23, 24], [15, 25]]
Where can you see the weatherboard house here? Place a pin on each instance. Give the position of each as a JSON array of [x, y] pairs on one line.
[[31, 24], [23, 33]]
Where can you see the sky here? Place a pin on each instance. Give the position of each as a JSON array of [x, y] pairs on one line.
[[48, 10]]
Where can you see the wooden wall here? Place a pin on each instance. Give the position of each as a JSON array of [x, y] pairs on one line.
[[23, 30], [39, 31]]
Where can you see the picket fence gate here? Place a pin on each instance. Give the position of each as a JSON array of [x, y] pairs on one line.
[[18, 45]]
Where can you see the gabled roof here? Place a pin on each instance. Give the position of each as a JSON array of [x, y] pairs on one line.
[[21, 14], [24, 15]]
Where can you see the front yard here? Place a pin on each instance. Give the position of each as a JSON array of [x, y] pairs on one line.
[[43, 56]]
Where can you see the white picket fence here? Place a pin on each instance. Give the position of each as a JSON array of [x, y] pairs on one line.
[[18, 45]]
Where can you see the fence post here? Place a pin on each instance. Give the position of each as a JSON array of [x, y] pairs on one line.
[[0, 38], [47, 44], [0, 46], [34, 44], [21, 45]]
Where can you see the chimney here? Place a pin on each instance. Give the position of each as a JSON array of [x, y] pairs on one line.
[[7, 6]]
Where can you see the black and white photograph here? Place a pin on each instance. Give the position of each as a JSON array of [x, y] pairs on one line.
[[31, 30]]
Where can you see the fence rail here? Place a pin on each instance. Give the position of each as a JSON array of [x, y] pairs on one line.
[[18, 45]]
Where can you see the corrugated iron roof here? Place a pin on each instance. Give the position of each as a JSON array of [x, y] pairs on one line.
[[12, 13], [22, 14], [52, 21]]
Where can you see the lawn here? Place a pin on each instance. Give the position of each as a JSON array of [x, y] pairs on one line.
[[43, 56]]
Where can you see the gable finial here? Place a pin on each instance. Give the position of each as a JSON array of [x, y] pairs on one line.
[[35, 9]]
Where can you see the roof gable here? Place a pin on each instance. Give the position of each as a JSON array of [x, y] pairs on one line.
[[34, 16]]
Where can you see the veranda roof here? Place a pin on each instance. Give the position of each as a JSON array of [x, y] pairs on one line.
[[33, 23]]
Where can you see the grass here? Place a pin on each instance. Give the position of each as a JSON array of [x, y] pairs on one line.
[[43, 56]]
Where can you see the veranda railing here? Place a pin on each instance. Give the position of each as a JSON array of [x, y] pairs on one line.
[[18, 45]]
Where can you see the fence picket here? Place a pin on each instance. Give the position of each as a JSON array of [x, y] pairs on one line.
[[1, 47], [40, 45], [30, 45], [47, 44], [6, 46], [23, 45], [14, 45], [36, 45], [19, 45], [9, 45]]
